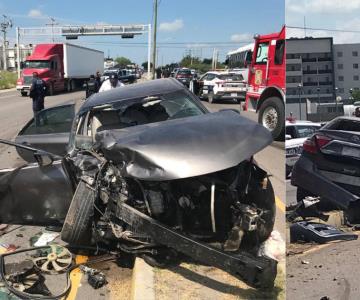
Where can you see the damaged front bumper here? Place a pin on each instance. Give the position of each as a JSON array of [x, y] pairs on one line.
[[256, 271]]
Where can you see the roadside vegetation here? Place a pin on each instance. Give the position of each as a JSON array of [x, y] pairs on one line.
[[7, 80]]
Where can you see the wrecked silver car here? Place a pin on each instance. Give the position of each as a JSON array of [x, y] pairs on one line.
[[150, 171]]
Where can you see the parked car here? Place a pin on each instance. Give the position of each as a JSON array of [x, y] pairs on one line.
[[296, 134], [184, 76], [142, 174], [124, 75], [215, 86], [329, 164]]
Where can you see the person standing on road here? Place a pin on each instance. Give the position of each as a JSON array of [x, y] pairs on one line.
[[111, 83], [98, 79], [92, 86], [37, 94]]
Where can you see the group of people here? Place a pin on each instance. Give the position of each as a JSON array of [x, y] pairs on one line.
[[94, 85], [38, 89]]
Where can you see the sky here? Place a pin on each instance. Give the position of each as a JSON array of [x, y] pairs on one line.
[[324, 14], [183, 26]]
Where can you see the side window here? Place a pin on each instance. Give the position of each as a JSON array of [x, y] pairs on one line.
[[290, 130], [262, 53], [210, 76], [279, 52], [204, 77], [52, 120]]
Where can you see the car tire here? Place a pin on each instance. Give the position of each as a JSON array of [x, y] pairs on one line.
[[210, 97], [263, 199], [24, 93], [270, 106], [77, 225]]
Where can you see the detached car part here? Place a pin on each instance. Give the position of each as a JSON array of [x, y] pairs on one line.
[[318, 232]]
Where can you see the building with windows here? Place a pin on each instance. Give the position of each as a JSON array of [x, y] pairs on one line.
[[309, 74], [347, 69]]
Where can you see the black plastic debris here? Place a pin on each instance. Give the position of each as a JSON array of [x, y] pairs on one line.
[[318, 232]]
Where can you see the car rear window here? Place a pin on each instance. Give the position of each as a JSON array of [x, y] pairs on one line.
[[231, 77], [306, 131], [345, 125], [184, 72]]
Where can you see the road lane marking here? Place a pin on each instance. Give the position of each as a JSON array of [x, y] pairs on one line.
[[279, 204], [75, 277]]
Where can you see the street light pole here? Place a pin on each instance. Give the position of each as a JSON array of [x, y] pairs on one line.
[[319, 108], [299, 89], [154, 39], [336, 102], [7, 23]]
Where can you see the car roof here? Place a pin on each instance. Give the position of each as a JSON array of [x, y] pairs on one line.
[[132, 91]]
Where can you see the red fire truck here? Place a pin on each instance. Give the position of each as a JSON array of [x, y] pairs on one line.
[[266, 82]]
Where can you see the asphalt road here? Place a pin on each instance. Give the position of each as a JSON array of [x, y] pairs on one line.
[[16, 111], [328, 270]]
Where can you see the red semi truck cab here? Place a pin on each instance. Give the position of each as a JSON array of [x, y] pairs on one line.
[[47, 61], [266, 82], [61, 66]]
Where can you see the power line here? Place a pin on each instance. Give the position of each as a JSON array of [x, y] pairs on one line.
[[323, 29]]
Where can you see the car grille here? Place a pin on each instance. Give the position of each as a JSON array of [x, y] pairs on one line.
[[27, 80]]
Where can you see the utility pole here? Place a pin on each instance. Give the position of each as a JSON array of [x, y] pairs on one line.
[[154, 39], [7, 23], [52, 24]]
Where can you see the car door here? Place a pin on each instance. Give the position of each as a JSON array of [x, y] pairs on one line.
[[51, 133], [208, 83], [258, 74], [35, 194]]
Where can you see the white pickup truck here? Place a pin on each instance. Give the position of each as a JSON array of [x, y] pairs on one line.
[[216, 85]]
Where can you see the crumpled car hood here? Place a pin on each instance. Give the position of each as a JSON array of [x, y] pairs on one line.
[[184, 147]]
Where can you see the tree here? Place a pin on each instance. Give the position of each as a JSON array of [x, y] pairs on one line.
[[355, 96], [145, 65], [123, 61]]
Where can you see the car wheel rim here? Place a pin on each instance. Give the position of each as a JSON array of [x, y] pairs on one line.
[[270, 118]]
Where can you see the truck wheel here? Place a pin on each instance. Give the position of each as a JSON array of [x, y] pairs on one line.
[[210, 97], [51, 89], [78, 221], [272, 117], [23, 93], [68, 86]]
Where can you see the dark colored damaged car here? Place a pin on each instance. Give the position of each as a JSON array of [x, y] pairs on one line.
[[150, 171], [329, 166]]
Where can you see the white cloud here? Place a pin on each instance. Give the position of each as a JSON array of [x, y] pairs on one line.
[[322, 6], [35, 13], [241, 37], [171, 26]]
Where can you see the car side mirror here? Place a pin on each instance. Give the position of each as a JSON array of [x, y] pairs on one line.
[[248, 57], [43, 158], [287, 137]]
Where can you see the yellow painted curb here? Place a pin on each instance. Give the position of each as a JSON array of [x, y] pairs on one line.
[[75, 277]]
